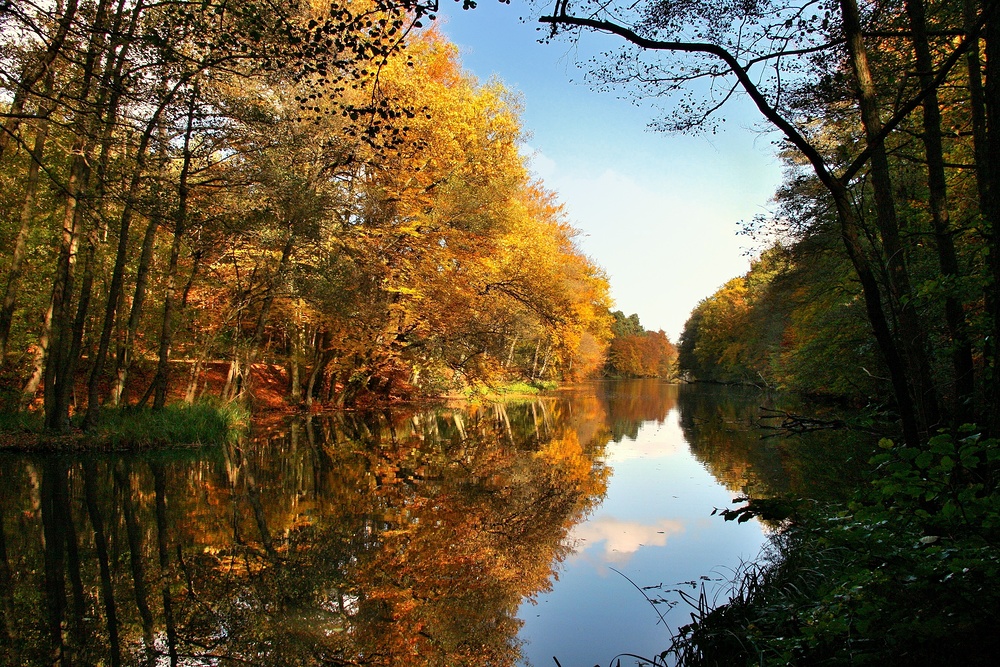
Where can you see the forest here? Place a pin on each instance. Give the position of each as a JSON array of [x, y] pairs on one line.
[[215, 198], [881, 282], [635, 352], [195, 192], [876, 286]]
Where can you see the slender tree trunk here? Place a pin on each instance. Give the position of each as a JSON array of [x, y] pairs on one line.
[[961, 354], [294, 380], [320, 361], [38, 366], [877, 317], [111, 94], [121, 257], [193, 376], [57, 384], [103, 562], [10, 292], [510, 353], [124, 359], [545, 361], [83, 301], [64, 347], [295, 362], [911, 332], [230, 389], [161, 379]]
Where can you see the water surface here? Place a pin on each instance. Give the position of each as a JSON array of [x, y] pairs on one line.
[[488, 535]]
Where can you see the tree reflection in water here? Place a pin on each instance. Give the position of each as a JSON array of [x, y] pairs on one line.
[[380, 539], [723, 428]]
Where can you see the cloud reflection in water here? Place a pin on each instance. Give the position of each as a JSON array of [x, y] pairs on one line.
[[607, 540]]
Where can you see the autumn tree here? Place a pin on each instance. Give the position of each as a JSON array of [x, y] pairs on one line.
[[636, 352], [809, 67]]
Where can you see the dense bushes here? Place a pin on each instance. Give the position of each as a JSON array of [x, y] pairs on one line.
[[906, 573]]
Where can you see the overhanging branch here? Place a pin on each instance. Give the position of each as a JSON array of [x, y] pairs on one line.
[[739, 70]]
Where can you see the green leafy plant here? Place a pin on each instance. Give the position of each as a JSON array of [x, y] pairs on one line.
[[907, 572]]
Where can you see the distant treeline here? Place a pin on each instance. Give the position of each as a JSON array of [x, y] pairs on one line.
[[637, 353]]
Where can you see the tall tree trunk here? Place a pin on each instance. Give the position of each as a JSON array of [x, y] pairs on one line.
[[961, 354], [124, 358], [38, 366], [57, 384], [161, 379], [849, 234], [121, 257], [64, 347], [110, 101], [10, 292], [103, 561], [911, 332]]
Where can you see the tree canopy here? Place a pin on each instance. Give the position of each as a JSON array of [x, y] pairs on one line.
[[887, 113], [317, 187]]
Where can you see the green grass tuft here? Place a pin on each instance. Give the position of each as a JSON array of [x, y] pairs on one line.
[[180, 424], [16, 422]]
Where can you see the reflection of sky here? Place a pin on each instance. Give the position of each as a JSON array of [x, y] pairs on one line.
[[654, 441], [611, 540], [654, 526]]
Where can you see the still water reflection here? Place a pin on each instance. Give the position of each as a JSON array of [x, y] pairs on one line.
[[478, 536]]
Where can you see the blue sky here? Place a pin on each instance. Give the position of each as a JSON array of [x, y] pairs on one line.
[[659, 212]]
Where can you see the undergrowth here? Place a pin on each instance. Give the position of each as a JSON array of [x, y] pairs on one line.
[[202, 423], [908, 572]]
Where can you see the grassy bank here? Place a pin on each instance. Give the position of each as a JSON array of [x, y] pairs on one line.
[[175, 425], [513, 390], [907, 573]]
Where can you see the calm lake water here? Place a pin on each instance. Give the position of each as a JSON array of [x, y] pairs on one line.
[[489, 535]]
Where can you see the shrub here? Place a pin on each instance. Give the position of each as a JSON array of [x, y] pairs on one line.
[[906, 573]]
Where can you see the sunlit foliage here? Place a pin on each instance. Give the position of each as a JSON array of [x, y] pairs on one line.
[[637, 353], [317, 187]]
